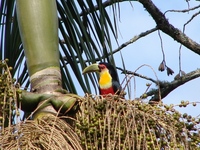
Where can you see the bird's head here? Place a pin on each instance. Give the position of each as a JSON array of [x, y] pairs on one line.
[[102, 66]]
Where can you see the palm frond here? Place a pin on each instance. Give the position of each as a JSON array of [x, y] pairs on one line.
[[85, 32], [10, 43]]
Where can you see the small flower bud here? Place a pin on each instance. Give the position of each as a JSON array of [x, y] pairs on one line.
[[162, 66], [169, 71], [183, 73], [177, 77]]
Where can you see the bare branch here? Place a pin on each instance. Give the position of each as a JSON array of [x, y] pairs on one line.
[[166, 27], [161, 44], [168, 87], [183, 11], [193, 16], [137, 74], [165, 87], [135, 38]]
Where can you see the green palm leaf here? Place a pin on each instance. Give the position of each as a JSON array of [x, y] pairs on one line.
[[85, 31]]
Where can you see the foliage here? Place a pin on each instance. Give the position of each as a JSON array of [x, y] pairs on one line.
[[8, 96], [84, 38], [133, 124]]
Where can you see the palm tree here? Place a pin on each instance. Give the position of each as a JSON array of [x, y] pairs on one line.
[[47, 53], [49, 63]]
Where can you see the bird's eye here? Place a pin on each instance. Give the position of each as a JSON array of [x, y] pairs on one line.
[[101, 66]]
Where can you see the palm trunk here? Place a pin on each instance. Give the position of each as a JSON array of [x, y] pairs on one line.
[[38, 24]]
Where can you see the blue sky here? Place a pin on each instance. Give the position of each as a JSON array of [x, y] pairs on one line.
[[133, 21]]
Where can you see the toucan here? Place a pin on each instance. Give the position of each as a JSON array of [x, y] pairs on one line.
[[108, 78]]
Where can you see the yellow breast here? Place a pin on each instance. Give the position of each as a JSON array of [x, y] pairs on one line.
[[105, 80]]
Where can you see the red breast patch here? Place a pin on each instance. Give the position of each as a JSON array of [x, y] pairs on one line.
[[107, 91]]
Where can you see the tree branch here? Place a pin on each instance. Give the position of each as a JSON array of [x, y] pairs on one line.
[[168, 87], [137, 74], [135, 38], [165, 87], [166, 27]]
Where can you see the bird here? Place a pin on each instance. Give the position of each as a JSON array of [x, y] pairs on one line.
[[108, 78]]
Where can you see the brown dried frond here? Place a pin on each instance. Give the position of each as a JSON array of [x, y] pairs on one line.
[[49, 133]]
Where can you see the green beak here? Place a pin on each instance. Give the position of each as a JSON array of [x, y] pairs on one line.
[[91, 68]]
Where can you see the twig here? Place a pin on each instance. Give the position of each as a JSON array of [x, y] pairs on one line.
[[137, 74], [161, 44], [184, 10], [135, 38]]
